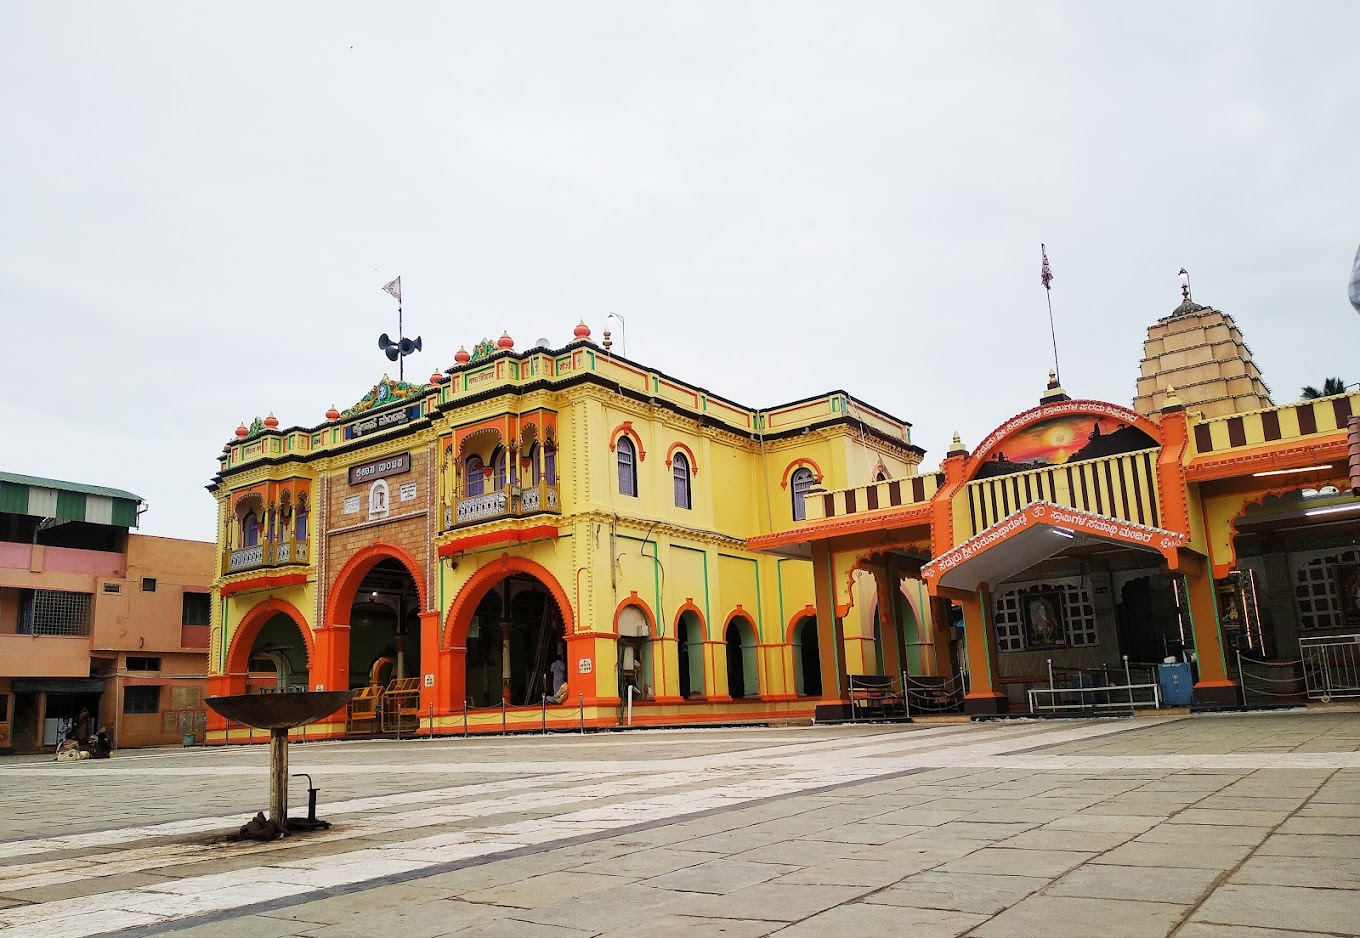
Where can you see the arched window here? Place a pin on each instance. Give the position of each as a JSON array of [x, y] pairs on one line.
[[881, 476], [535, 469], [680, 473], [550, 465], [502, 462], [250, 530], [300, 523], [627, 467], [801, 484], [476, 476]]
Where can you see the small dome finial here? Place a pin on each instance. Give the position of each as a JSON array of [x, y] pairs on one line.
[[505, 341], [461, 356], [582, 331], [332, 414], [956, 446]]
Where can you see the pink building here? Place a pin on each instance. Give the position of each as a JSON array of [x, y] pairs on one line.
[[95, 617]]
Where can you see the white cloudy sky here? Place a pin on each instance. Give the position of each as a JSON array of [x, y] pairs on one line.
[[199, 204]]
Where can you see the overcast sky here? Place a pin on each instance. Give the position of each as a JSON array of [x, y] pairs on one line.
[[199, 204]]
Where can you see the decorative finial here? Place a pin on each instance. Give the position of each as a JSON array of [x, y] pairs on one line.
[[1170, 400], [1185, 284], [332, 414], [608, 343], [505, 341], [437, 378], [582, 331], [271, 421], [242, 432], [461, 356], [957, 445]]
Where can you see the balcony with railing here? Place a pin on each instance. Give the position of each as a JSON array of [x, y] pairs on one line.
[[509, 501], [264, 554]]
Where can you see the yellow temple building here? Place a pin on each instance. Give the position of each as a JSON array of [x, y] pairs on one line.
[[543, 537]]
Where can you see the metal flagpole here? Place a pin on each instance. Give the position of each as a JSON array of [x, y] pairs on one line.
[[401, 361], [1046, 278]]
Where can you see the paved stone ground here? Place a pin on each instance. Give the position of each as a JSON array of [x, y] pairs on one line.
[[1200, 827]]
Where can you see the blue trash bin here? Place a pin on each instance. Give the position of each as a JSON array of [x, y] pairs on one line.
[[1177, 684]]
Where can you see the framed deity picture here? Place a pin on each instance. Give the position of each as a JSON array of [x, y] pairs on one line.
[[1348, 590], [1043, 612]]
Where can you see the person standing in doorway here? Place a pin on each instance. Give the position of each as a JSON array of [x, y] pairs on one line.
[[83, 723], [559, 675]]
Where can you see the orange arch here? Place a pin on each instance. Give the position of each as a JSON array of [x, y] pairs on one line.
[[801, 461], [689, 454], [740, 613], [459, 619], [634, 600], [807, 612], [346, 587], [698, 614], [626, 429], [238, 653]]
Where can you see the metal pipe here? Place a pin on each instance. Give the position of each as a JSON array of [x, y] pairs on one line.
[[581, 701], [629, 720]]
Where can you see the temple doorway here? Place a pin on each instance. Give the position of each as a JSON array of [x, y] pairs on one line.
[[384, 631], [515, 636]]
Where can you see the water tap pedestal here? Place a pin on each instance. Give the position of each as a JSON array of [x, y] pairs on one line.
[[279, 713]]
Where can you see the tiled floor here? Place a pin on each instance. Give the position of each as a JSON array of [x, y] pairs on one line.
[[1200, 827]]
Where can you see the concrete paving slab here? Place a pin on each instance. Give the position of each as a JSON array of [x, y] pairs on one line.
[[851, 872], [863, 918], [544, 889], [1310, 845], [1320, 910], [1205, 857], [1063, 915], [1047, 838], [1012, 862], [979, 893], [771, 902], [1320, 872], [1210, 930], [1203, 834], [719, 876], [1180, 885], [684, 926]]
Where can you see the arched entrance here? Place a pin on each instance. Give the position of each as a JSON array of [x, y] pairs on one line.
[[634, 627], [278, 658], [515, 639], [384, 626], [689, 653], [807, 659], [743, 680]]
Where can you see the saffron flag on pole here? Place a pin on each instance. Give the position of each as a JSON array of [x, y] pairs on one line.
[[394, 288], [1045, 273]]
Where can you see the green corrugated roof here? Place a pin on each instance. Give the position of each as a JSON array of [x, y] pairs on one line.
[[61, 486]]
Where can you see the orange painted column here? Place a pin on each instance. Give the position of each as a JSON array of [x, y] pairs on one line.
[[331, 669], [1213, 688], [430, 663], [983, 698]]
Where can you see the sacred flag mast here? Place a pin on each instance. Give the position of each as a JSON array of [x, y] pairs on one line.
[[1046, 278], [398, 350]]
